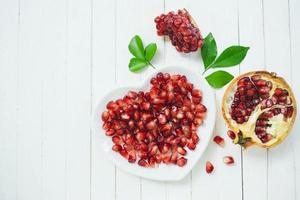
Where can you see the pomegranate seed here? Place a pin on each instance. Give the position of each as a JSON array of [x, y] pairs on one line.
[[162, 119], [116, 148], [151, 125], [140, 136], [110, 132], [219, 140], [116, 139], [166, 128], [181, 161], [143, 163], [124, 153], [174, 158], [228, 160], [195, 138], [106, 126], [278, 92], [145, 105], [196, 93], [112, 106], [191, 145], [105, 116], [152, 161], [132, 94], [209, 167], [181, 150], [125, 116], [154, 150], [231, 134], [132, 158]]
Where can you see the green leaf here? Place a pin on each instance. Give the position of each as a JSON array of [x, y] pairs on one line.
[[150, 51], [136, 47], [209, 50], [219, 78], [137, 64], [231, 56]]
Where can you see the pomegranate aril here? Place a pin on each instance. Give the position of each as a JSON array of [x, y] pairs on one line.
[[106, 126], [278, 92], [132, 158], [140, 136], [162, 119], [110, 132], [266, 138], [191, 145], [152, 161], [124, 153], [181, 150], [209, 167], [143, 163], [116, 139], [116, 148], [255, 78], [153, 150], [181, 161], [195, 138], [151, 125], [219, 140], [228, 160], [105, 116]]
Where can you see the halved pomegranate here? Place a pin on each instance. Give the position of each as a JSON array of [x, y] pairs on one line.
[[260, 108], [156, 126]]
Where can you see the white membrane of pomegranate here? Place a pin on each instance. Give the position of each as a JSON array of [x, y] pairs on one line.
[[161, 172]]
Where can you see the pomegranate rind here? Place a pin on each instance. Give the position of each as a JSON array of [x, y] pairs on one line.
[[248, 130]]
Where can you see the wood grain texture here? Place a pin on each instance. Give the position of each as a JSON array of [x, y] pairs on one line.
[[103, 80], [281, 173], [251, 33], [9, 41], [294, 7], [59, 58]]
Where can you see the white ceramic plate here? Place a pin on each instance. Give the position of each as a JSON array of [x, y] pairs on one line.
[[162, 172]]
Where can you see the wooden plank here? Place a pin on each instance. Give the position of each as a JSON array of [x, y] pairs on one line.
[[180, 189], [78, 100], [129, 23], [226, 181], [281, 158], [30, 109], [53, 72], [148, 34], [8, 98], [295, 62], [103, 80], [251, 29]]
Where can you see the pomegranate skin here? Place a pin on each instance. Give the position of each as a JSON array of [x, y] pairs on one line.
[[181, 30], [267, 101]]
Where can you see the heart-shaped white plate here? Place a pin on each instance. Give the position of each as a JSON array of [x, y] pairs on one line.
[[162, 172]]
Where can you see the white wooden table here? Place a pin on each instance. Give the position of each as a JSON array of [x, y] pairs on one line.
[[59, 57]]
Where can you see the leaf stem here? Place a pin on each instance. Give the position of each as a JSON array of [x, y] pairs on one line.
[[152, 65], [206, 70]]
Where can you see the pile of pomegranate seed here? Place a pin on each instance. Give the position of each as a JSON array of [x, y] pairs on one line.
[[156, 126], [252, 91], [183, 33]]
